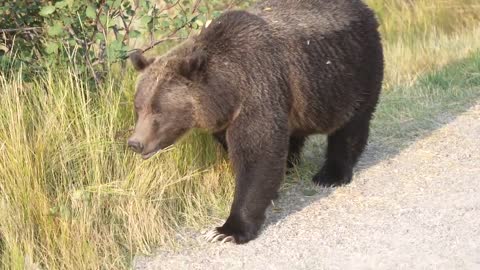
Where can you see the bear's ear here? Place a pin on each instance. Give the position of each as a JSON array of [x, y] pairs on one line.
[[194, 64], [139, 61]]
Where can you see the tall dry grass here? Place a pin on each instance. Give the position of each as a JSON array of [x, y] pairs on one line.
[[73, 197], [425, 35]]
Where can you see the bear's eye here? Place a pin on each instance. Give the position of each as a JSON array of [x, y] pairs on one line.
[[156, 109], [156, 123], [137, 107]]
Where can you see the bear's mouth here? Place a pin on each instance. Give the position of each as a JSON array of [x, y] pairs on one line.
[[151, 154], [157, 150]]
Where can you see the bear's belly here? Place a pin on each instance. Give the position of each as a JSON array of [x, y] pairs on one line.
[[304, 123], [314, 115]]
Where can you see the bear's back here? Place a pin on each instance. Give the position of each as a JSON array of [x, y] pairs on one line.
[[327, 52], [312, 16], [334, 58]]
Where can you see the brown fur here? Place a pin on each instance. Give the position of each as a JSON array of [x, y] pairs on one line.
[[262, 81]]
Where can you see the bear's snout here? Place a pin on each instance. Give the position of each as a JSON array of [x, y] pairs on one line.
[[136, 146]]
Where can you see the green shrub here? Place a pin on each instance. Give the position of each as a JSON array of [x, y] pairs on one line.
[[93, 34]]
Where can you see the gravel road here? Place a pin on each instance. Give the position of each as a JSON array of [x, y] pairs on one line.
[[417, 209]]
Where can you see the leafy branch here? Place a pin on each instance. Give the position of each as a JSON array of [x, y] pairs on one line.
[[95, 34]]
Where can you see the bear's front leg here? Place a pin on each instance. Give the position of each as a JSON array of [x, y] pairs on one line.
[[258, 157], [220, 137]]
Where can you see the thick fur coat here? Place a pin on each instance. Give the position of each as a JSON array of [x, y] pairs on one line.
[[262, 81]]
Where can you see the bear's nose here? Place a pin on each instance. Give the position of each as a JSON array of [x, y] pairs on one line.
[[136, 146]]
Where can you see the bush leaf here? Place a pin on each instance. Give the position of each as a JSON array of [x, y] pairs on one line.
[[51, 48], [91, 12], [46, 11], [55, 30], [61, 4], [145, 20]]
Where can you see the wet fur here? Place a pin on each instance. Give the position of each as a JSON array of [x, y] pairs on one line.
[[264, 80]]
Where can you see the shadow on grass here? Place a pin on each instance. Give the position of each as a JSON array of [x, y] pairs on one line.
[[404, 116]]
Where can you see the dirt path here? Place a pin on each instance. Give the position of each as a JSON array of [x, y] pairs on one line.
[[419, 209]]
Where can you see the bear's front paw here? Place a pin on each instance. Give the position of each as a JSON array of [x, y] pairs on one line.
[[215, 236], [329, 176], [238, 234]]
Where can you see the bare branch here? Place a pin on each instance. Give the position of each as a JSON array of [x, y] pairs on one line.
[[10, 30], [195, 6], [82, 42], [169, 7], [153, 45], [233, 3], [156, 43]]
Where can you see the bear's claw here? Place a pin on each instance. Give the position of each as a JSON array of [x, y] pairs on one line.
[[214, 236]]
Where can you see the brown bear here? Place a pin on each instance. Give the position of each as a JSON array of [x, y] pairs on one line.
[[262, 81]]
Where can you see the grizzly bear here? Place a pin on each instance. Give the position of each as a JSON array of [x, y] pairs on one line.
[[262, 81]]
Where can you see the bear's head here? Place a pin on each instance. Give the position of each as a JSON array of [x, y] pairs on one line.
[[165, 99]]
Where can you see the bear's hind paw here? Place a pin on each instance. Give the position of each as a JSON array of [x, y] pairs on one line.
[[331, 177]]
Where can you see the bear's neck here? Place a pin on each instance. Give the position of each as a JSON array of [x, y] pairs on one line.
[[216, 108]]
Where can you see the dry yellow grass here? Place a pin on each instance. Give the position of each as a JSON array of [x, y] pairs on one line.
[[424, 35], [405, 62], [73, 197]]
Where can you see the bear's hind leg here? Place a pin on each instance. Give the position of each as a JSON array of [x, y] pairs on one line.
[[343, 151]]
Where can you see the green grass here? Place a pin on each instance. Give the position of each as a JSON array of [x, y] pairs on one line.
[[407, 112], [73, 197]]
